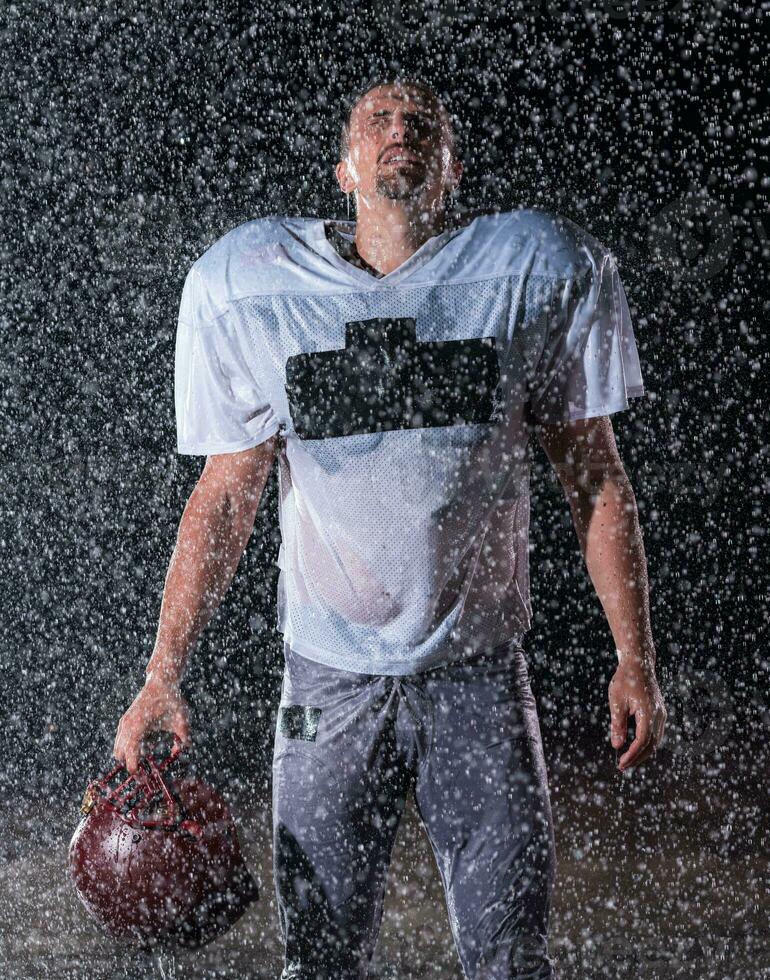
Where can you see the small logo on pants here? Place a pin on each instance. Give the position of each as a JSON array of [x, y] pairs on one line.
[[299, 721]]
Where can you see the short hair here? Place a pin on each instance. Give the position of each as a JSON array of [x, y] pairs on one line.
[[405, 81]]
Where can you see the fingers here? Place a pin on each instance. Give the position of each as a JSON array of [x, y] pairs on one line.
[[152, 711], [659, 726], [117, 747], [641, 746], [128, 745], [181, 727], [133, 753], [649, 736], [122, 742], [131, 746], [618, 722], [633, 691]]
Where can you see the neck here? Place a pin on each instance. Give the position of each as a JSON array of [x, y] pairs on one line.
[[387, 235]]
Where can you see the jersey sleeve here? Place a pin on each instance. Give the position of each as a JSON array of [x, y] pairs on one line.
[[589, 365], [219, 405]]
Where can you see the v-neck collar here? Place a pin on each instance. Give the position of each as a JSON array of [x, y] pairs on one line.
[[345, 244], [321, 244]]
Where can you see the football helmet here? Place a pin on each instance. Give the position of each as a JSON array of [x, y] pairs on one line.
[[155, 858]]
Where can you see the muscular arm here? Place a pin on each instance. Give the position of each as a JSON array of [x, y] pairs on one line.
[[215, 527], [213, 533], [586, 460], [601, 499]]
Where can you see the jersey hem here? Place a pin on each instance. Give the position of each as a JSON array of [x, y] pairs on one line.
[[215, 448], [591, 413], [621, 406], [391, 668]]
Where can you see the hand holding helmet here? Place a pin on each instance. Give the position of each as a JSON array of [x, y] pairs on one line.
[[159, 706]]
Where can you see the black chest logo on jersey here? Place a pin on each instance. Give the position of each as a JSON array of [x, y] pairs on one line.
[[385, 379]]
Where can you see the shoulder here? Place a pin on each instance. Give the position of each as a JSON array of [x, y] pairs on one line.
[[252, 241], [246, 259], [545, 242]]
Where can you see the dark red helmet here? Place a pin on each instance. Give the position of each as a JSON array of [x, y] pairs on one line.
[[156, 859]]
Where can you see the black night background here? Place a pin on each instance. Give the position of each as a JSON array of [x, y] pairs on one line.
[[134, 136]]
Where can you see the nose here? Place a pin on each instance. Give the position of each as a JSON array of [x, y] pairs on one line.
[[399, 124]]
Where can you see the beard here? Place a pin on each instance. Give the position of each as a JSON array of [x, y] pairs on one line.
[[403, 185]]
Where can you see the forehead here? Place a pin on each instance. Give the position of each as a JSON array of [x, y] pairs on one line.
[[389, 96]]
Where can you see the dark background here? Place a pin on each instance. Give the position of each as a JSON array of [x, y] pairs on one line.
[[134, 138]]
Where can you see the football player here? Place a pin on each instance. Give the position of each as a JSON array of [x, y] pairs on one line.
[[398, 367]]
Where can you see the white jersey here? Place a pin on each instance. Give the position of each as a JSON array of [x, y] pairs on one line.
[[404, 405]]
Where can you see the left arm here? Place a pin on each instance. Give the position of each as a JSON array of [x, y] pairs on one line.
[[601, 499]]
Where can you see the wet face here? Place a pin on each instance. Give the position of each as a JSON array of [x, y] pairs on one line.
[[399, 147]]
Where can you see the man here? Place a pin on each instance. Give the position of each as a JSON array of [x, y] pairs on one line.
[[398, 366]]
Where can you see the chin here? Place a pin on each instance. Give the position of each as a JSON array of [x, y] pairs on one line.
[[399, 190]]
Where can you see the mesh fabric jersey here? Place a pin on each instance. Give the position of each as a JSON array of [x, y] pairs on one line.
[[404, 405]]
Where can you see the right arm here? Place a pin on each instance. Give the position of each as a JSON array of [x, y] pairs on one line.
[[215, 528]]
